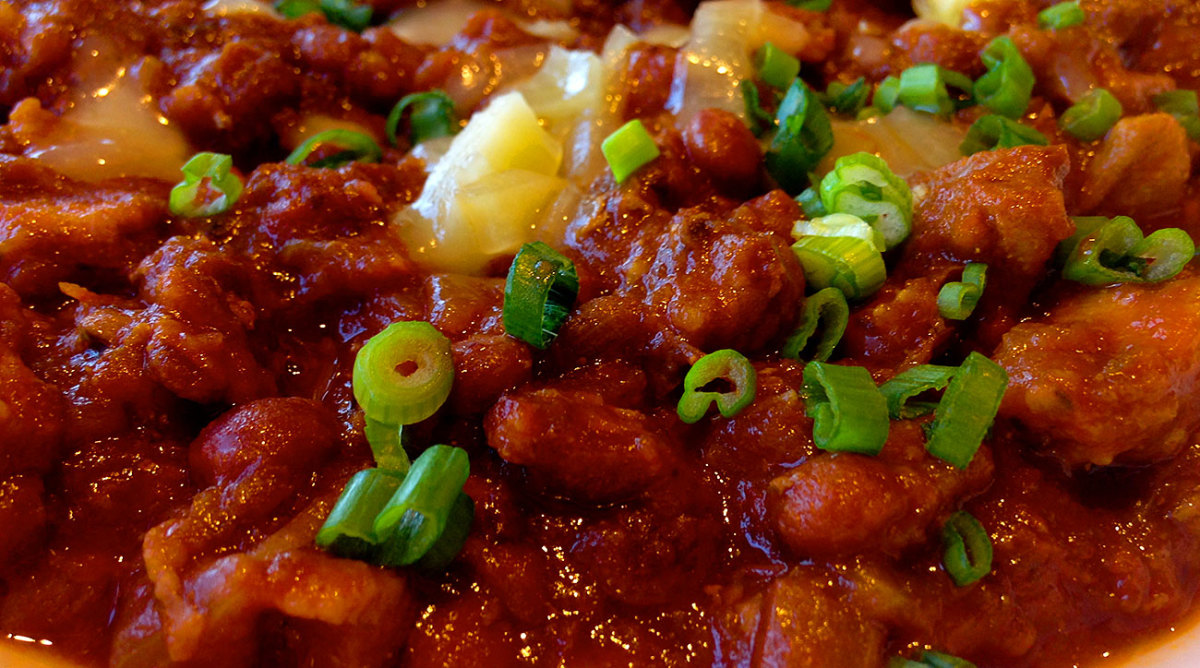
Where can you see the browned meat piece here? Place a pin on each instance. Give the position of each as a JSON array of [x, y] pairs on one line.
[[1110, 375], [32, 418], [52, 229], [576, 444], [721, 146], [845, 504], [900, 326], [800, 620], [290, 432], [22, 515], [486, 366], [1141, 168]]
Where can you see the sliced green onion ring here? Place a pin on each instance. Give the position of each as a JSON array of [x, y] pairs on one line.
[[887, 94], [760, 119], [343, 13], [957, 300], [209, 186], [418, 513], [968, 549], [628, 149], [811, 5], [863, 185], [849, 414], [431, 115], [804, 136], [538, 294], [810, 202], [993, 131], [845, 99], [912, 382], [924, 87], [1091, 117], [1008, 83], [387, 446], [825, 311], [727, 365], [403, 374], [1104, 251], [839, 225], [849, 264], [775, 66], [356, 147], [930, 659], [349, 531], [965, 413], [450, 543], [1183, 105], [1060, 16]]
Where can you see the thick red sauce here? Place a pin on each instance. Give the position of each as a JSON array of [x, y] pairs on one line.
[[176, 416]]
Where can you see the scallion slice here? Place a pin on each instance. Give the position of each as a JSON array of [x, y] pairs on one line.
[[810, 202], [539, 294], [968, 553], [1183, 105], [760, 119], [826, 312], [450, 543], [775, 66], [930, 659], [354, 146], [804, 136], [887, 94], [728, 366], [839, 225], [343, 13], [849, 264], [1092, 116], [349, 531], [430, 115], [965, 413], [1062, 15], [849, 414], [924, 87], [387, 445], [1008, 83], [1104, 251], [417, 514], [993, 131], [957, 300], [912, 382], [628, 149], [863, 185], [811, 5], [403, 374], [208, 187], [844, 99]]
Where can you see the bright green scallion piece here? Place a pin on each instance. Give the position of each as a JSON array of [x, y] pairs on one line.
[[353, 147], [628, 149], [968, 549], [803, 137], [403, 374], [430, 115], [824, 316], [1091, 117], [993, 131], [849, 413], [863, 185], [1008, 84], [209, 186], [417, 515], [1061, 16], [538, 295], [727, 366]]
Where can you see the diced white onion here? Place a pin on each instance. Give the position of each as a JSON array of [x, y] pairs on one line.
[[949, 12], [435, 23], [909, 141], [231, 7]]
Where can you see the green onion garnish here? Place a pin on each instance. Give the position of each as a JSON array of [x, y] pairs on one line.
[[863, 185], [1092, 116], [387, 446], [930, 659], [851, 265], [887, 94], [1062, 15], [839, 225], [844, 99], [968, 555], [956, 300], [728, 366], [343, 13], [775, 66], [450, 543], [539, 294], [827, 312], [208, 187], [760, 119], [1182, 104], [849, 414], [430, 115], [403, 374], [909, 383], [627, 149], [811, 5], [1104, 251], [803, 138], [993, 131], [418, 513], [965, 413], [349, 531], [809, 200], [924, 87], [354, 146], [1008, 83]]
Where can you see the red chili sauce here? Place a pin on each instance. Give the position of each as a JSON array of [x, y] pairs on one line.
[[176, 415]]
